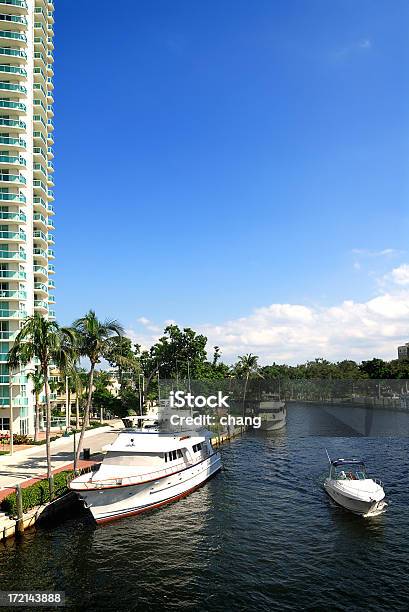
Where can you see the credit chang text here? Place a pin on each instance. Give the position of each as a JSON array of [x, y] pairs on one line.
[[206, 420]]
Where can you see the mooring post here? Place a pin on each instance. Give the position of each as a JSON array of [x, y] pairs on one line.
[[19, 499]]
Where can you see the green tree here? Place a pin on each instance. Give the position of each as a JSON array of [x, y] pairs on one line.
[[246, 367], [376, 369], [124, 358], [47, 342], [179, 354], [93, 338]]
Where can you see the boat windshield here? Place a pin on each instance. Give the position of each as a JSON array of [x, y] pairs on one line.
[[349, 471]]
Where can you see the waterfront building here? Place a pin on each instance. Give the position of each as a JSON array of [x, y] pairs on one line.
[[403, 351], [26, 210]]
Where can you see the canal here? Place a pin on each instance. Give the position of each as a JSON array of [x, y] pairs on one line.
[[261, 536]]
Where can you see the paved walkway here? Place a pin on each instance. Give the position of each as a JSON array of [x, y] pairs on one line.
[[31, 464]]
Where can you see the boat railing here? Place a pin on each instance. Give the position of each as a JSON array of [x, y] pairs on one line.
[[114, 481]]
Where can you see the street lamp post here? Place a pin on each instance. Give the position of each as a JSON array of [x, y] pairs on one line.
[[67, 405]]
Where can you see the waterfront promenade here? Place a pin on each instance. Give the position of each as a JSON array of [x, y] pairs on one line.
[[30, 464]]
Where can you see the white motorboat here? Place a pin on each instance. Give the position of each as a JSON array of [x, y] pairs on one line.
[[145, 469], [273, 414], [349, 485]]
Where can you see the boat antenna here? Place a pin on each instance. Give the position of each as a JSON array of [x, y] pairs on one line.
[[329, 458], [188, 378]]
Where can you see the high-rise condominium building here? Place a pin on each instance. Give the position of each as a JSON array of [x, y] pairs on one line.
[[26, 139]]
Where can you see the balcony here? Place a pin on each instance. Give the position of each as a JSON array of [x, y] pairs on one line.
[[40, 270], [40, 151], [10, 294], [50, 209], [13, 216], [15, 161], [18, 53], [38, 201], [51, 314], [51, 254], [20, 401], [51, 284], [39, 218], [17, 236], [13, 314], [15, 274], [51, 299], [18, 255], [13, 124], [13, 107], [50, 238], [51, 269], [17, 179], [15, 36], [18, 21], [13, 4], [12, 197], [13, 70], [41, 304], [13, 142], [40, 253], [38, 183], [13, 88], [7, 335], [41, 287], [39, 234]]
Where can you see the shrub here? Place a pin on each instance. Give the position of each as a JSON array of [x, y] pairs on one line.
[[21, 439], [17, 439], [37, 494]]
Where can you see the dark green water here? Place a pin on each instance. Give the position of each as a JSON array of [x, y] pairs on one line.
[[262, 535]]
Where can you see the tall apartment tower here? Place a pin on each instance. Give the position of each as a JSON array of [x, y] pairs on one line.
[[26, 139]]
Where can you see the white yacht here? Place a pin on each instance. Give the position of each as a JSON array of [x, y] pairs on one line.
[[145, 469], [349, 486], [273, 414]]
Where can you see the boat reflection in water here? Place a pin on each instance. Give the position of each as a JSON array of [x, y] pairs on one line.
[[148, 467]]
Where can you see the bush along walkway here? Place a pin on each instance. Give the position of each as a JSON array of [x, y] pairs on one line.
[[22, 509]]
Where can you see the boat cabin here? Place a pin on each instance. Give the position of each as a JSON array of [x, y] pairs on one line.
[[347, 469]]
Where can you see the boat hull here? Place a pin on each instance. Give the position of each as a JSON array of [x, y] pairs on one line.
[[357, 506], [272, 425], [109, 504]]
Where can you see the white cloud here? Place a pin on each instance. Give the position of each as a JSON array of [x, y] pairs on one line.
[[294, 333], [348, 330], [400, 275], [381, 253], [358, 45]]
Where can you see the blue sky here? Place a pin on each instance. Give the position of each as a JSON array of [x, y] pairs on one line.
[[217, 158]]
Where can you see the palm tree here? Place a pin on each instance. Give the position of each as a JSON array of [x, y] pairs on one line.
[[247, 366], [46, 341], [93, 338], [38, 385]]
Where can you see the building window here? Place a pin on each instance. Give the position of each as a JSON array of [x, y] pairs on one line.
[[4, 424]]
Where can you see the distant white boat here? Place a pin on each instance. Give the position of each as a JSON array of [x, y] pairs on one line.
[[273, 414], [145, 469], [349, 486]]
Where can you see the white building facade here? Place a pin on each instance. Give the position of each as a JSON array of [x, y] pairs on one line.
[[26, 169]]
